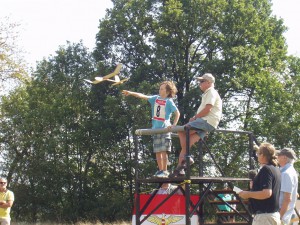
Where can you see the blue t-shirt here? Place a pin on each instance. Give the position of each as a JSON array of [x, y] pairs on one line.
[[162, 109]]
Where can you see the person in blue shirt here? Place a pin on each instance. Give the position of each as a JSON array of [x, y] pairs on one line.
[[162, 107], [289, 184]]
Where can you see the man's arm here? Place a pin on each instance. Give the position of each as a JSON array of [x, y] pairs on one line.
[[204, 111], [287, 198], [6, 204], [260, 195]]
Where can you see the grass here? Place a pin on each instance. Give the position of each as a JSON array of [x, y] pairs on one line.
[[78, 223]]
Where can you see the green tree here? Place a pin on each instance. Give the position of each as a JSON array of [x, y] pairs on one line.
[[240, 42], [69, 146], [278, 119], [69, 153], [12, 65]]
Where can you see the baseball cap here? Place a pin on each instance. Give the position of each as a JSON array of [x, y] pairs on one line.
[[288, 153], [207, 76]]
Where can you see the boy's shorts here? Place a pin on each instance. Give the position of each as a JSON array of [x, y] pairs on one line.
[[203, 126], [162, 142]]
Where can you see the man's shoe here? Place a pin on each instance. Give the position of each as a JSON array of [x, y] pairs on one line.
[[178, 172], [183, 163]]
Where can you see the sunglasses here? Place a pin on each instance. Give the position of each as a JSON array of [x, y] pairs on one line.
[[2, 182], [202, 81]]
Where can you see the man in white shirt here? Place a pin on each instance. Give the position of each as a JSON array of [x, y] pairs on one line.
[[205, 120], [289, 184]]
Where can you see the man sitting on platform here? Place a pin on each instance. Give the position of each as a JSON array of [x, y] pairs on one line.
[[205, 120]]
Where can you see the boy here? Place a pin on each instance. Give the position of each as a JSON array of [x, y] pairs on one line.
[[162, 107]]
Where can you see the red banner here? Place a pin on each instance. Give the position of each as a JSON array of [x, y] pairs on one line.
[[171, 212]]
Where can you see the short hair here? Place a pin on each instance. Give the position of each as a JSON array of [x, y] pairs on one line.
[[289, 160], [170, 88], [3, 178]]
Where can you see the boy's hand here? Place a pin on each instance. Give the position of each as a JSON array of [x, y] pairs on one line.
[[169, 127], [125, 92]]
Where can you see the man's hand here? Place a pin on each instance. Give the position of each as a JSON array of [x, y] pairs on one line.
[[244, 194]]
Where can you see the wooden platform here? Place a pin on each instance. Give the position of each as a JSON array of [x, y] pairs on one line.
[[209, 198], [206, 194], [193, 180]]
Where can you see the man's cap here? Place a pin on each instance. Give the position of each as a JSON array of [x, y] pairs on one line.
[[207, 76], [288, 153]]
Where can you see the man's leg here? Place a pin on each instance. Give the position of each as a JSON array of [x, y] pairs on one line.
[[5, 221], [194, 137]]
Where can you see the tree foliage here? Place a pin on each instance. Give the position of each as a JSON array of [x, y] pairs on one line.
[[12, 65], [60, 139], [68, 147], [238, 41]]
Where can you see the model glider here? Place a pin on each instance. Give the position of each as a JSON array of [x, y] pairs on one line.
[[117, 80], [106, 77]]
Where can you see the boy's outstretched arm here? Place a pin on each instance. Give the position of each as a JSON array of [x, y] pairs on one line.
[[135, 94]]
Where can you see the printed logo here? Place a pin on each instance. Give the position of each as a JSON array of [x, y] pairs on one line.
[[163, 220]]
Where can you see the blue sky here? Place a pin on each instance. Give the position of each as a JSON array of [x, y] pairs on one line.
[[46, 24]]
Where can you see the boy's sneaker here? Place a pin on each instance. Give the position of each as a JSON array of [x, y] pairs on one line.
[[163, 174], [157, 172], [166, 173]]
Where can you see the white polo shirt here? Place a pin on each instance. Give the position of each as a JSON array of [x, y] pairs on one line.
[[212, 97]]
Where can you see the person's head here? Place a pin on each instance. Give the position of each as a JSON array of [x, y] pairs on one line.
[[3, 183], [266, 154], [167, 89], [285, 156], [251, 175], [206, 81], [165, 185]]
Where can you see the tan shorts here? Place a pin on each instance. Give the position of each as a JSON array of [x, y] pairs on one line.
[[267, 219]]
